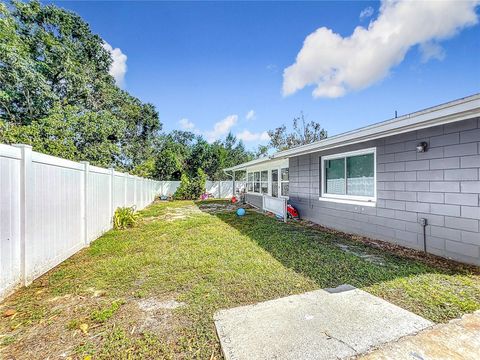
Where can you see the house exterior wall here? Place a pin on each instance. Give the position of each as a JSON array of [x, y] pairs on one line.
[[441, 185]]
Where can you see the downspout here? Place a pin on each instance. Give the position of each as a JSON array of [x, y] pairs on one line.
[[423, 224], [232, 176]]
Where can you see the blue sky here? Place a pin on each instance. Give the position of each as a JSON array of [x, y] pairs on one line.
[[213, 62]]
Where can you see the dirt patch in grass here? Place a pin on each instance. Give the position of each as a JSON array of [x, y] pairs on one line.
[[55, 333], [174, 214], [78, 326], [375, 259], [220, 207]]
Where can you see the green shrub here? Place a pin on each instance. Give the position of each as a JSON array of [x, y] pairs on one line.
[[183, 190], [191, 189], [125, 217], [197, 185]]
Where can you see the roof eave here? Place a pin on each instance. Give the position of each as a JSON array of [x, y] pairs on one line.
[[451, 112]]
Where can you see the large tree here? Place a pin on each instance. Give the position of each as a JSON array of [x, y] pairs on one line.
[[56, 92], [182, 152], [303, 133]]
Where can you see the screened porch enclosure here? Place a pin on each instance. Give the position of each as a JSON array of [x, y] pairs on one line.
[[270, 179]]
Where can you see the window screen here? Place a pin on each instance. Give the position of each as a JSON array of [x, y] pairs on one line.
[[264, 182], [256, 182], [284, 181], [250, 182], [275, 183], [360, 175], [335, 176], [350, 175]]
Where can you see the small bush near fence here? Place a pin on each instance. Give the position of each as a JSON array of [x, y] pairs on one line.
[[191, 188], [125, 217]]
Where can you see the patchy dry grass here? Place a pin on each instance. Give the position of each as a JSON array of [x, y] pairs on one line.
[[98, 302]]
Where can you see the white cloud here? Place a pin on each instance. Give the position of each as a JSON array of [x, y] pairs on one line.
[[366, 13], [337, 64], [250, 115], [272, 68], [118, 68], [248, 136], [221, 128], [186, 124], [431, 50]]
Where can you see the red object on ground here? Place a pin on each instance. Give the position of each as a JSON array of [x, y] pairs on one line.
[[234, 200], [292, 212]]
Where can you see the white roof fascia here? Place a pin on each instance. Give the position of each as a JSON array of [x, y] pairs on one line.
[[458, 110], [443, 114]]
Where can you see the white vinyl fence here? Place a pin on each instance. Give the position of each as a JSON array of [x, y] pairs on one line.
[[275, 205], [224, 189], [219, 189], [51, 207]]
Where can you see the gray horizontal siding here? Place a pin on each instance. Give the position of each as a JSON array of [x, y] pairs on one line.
[[441, 185]]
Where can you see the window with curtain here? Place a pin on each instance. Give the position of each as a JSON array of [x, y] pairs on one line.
[[349, 175]]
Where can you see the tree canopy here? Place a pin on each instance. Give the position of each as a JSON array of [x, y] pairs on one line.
[[56, 92], [303, 133]]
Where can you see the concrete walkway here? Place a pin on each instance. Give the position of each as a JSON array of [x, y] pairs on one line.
[[324, 324], [458, 339]]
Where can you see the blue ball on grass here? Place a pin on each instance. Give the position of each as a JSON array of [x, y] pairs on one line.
[[240, 212]]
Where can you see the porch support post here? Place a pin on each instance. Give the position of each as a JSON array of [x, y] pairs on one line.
[[233, 183]]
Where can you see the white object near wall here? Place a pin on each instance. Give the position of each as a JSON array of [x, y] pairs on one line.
[[275, 205]]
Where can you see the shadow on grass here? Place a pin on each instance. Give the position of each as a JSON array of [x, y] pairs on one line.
[[328, 259], [436, 289]]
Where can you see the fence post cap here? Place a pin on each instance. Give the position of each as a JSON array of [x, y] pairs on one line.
[[25, 146]]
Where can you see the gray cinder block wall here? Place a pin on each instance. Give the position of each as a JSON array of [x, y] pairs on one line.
[[441, 185]]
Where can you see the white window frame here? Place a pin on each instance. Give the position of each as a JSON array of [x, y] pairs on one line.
[[271, 182], [259, 182], [262, 182], [350, 199], [280, 182], [277, 167], [250, 182]]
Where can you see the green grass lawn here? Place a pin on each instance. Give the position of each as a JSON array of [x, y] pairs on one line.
[[91, 305]]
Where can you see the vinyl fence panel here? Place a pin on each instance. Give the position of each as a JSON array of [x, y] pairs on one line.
[[168, 188], [223, 189], [54, 211], [10, 239], [275, 205], [99, 202]]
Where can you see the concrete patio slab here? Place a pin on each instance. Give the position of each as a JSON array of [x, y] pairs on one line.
[[457, 340], [324, 324]]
